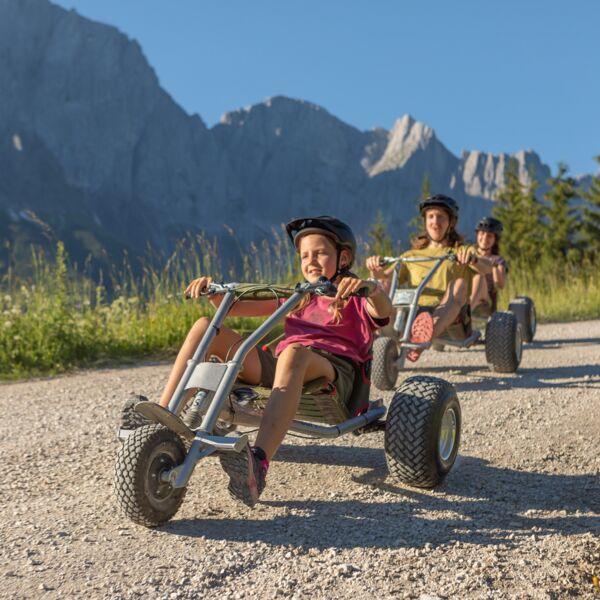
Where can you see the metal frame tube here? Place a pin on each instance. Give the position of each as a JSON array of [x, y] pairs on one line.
[[234, 366], [211, 332], [415, 305], [334, 431]]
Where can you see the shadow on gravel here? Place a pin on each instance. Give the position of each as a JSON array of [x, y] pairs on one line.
[[478, 504], [563, 342], [537, 378]]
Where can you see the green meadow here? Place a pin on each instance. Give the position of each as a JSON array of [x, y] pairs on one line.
[[58, 319]]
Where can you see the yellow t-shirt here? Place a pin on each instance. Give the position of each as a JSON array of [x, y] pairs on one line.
[[411, 274]]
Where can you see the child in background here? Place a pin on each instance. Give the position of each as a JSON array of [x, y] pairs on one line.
[[484, 295]]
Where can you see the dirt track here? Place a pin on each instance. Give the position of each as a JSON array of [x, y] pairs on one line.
[[518, 517]]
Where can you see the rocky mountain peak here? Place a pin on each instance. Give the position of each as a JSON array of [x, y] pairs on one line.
[[483, 173], [406, 137]]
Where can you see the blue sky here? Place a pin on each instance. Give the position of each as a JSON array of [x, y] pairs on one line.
[[492, 76]]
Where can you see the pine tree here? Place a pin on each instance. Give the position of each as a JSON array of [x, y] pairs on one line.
[[590, 218], [519, 210], [379, 240], [560, 214]]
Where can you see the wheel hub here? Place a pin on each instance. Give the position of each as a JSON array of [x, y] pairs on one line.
[[158, 488], [448, 431], [518, 344]]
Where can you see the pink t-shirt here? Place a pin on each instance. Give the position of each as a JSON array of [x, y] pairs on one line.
[[313, 326]]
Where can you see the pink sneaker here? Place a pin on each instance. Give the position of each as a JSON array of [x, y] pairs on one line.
[[420, 332]]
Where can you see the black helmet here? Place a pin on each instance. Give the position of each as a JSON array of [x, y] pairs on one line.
[[441, 201], [333, 228], [491, 225]]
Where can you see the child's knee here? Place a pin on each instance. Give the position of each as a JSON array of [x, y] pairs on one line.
[[199, 328], [294, 356]]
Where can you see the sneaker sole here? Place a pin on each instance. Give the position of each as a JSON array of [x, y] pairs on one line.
[[242, 481], [421, 331]]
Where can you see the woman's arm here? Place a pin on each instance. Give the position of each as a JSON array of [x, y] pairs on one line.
[[466, 255], [380, 273]]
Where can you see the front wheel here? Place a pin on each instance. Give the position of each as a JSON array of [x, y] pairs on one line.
[[503, 342], [145, 455], [422, 431]]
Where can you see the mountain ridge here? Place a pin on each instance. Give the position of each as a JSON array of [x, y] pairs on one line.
[[100, 152]]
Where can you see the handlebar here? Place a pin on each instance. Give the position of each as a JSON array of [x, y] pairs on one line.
[[323, 287], [390, 260]]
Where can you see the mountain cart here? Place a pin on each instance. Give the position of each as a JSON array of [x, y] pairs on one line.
[[503, 335], [162, 446]]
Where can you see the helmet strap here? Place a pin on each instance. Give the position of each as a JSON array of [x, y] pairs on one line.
[[344, 271]]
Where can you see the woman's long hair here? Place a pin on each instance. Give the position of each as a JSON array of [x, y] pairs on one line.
[[451, 239]]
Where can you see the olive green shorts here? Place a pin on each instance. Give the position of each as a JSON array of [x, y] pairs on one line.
[[344, 371]]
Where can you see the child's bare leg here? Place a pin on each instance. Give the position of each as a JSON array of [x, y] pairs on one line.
[[449, 308], [224, 345], [479, 293], [295, 366]]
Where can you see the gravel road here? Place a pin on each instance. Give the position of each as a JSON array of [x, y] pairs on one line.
[[518, 517]]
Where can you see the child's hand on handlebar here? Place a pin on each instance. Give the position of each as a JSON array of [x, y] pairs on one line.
[[352, 285], [198, 287], [466, 256]]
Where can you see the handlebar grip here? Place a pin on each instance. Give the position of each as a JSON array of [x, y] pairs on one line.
[[384, 261], [362, 292], [210, 289]]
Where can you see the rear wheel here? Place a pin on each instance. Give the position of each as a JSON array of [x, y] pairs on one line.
[[384, 371], [524, 309], [503, 342], [141, 492], [422, 432]]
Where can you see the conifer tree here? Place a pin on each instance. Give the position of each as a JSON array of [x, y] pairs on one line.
[[560, 214], [416, 223], [590, 217], [379, 240], [519, 210]]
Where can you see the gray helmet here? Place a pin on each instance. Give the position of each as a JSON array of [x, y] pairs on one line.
[[490, 225], [440, 201]]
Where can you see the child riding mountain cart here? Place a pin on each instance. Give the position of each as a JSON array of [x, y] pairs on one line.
[[422, 424], [317, 385], [485, 289]]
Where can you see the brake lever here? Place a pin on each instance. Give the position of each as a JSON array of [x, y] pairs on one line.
[[327, 289], [331, 290], [388, 260]]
